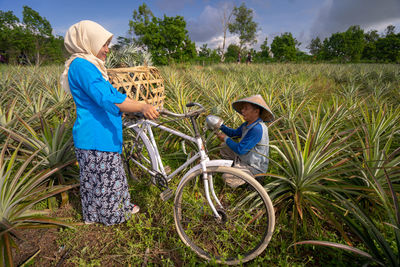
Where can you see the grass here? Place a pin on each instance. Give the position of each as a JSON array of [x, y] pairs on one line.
[[302, 96], [150, 238]]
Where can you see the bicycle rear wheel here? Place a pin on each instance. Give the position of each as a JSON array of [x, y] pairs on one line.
[[138, 152], [247, 213]]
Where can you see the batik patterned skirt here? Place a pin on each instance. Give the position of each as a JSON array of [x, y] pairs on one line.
[[104, 188]]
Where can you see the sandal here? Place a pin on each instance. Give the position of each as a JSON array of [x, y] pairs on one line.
[[135, 209]]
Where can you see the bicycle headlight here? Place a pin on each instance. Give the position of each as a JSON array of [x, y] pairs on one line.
[[213, 122]]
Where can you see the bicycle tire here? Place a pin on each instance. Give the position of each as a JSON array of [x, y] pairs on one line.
[[138, 149], [248, 217]]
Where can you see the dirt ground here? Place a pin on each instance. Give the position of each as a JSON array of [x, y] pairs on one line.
[[35, 239], [45, 240]]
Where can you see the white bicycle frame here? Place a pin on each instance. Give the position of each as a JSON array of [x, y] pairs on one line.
[[204, 159]]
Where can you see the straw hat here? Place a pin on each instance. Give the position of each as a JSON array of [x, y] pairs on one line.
[[266, 114]]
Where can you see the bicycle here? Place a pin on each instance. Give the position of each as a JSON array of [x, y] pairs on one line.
[[220, 223]]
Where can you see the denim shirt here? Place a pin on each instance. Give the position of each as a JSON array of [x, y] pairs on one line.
[[257, 158], [253, 148]]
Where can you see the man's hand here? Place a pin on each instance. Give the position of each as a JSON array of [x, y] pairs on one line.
[[221, 136], [150, 112]]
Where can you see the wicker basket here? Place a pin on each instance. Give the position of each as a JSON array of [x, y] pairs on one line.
[[143, 84]]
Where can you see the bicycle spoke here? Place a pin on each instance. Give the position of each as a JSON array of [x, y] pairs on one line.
[[138, 152], [245, 219], [234, 227]]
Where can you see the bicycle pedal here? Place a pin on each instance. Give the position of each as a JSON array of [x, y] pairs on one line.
[[166, 194]]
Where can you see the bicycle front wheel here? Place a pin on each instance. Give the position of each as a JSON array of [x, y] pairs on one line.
[[138, 152], [247, 216]]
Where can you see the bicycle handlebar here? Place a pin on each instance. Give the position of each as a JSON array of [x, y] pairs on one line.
[[192, 104], [177, 115], [185, 115]]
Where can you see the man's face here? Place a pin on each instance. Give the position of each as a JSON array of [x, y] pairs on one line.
[[249, 112]]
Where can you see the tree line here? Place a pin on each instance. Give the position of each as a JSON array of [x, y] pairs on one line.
[[31, 41], [354, 45]]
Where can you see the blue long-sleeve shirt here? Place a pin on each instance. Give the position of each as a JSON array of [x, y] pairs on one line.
[[250, 140], [98, 124]]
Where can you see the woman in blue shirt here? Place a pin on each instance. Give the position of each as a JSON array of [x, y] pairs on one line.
[[97, 131]]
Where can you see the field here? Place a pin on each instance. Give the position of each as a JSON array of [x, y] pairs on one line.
[[333, 176]]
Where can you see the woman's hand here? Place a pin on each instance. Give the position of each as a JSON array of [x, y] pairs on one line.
[[221, 136], [130, 105], [149, 112]]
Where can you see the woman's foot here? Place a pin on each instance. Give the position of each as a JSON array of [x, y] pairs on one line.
[[135, 209]]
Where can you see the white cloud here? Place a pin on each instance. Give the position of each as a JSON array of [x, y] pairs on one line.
[[206, 26], [381, 26], [216, 41], [338, 15], [60, 31]]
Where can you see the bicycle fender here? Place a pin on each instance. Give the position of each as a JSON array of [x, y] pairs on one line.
[[211, 163]]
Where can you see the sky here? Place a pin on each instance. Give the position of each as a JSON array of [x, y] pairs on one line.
[[305, 19]]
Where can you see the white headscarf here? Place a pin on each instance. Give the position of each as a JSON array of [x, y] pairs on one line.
[[84, 40]]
